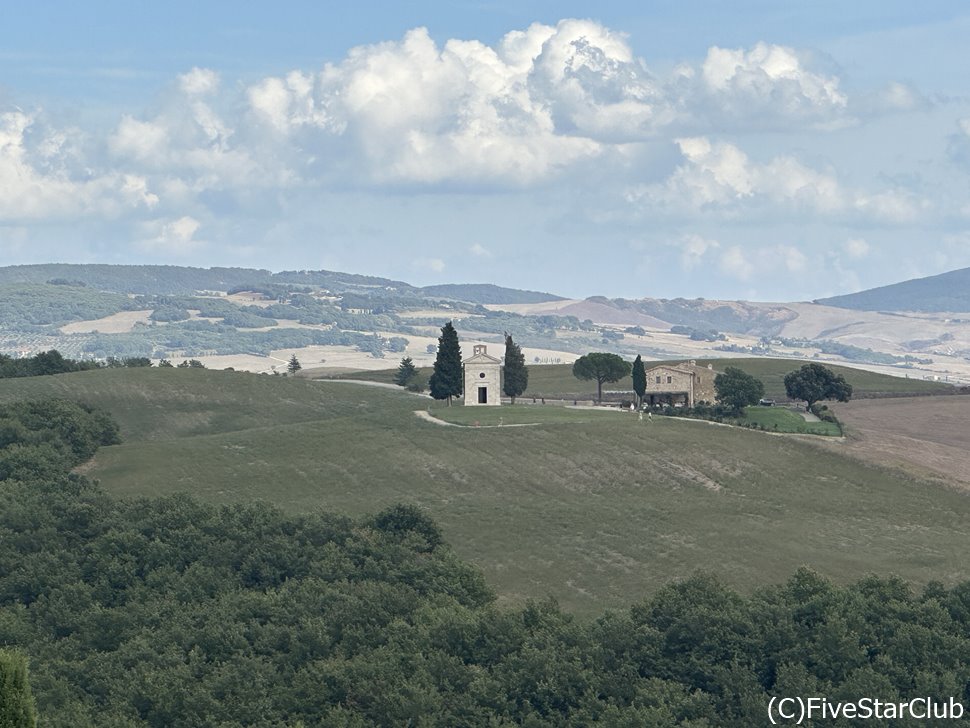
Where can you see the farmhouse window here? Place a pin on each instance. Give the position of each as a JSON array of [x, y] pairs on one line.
[[669, 380], [658, 380]]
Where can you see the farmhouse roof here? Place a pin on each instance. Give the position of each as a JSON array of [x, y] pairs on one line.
[[675, 367], [687, 367]]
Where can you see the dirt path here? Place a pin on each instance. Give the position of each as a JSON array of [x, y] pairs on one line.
[[366, 383], [807, 416], [428, 417]]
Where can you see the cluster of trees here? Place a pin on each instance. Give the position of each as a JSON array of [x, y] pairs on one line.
[[197, 338], [52, 362], [851, 352], [27, 307], [164, 612], [811, 383], [43, 438], [46, 362], [698, 334], [168, 313]]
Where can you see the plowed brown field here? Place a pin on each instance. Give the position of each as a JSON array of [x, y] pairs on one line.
[[919, 434]]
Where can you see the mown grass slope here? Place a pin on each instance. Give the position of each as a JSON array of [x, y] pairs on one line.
[[596, 509], [782, 419], [557, 380]]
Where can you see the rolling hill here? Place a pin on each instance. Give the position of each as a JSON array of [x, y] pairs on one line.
[[182, 280], [589, 507], [486, 293], [945, 292]]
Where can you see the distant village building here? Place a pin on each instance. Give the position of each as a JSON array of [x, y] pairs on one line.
[[684, 383], [483, 378]]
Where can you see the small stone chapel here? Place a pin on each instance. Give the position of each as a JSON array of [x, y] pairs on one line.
[[483, 378]]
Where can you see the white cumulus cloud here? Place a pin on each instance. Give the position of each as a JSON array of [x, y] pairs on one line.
[[480, 251], [856, 248], [527, 108], [176, 237], [435, 265], [745, 262], [769, 83], [693, 250], [41, 178], [719, 176], [199, 81]]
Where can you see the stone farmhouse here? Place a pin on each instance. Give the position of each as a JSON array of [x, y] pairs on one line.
[[482, 378], [684, 383]]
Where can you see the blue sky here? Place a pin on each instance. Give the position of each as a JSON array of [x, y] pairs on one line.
[[720, 149]]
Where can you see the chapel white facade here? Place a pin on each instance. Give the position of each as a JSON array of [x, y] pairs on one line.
[[483, 378]]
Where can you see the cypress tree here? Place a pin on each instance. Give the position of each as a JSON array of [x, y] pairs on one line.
[[405, 372], [294, 366], [516, 373], [17, 708], [446, 381], [639, 379]]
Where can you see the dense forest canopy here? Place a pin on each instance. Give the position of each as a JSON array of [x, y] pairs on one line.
[[161, 612]]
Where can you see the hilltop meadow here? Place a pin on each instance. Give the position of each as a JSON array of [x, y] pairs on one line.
[[556, 381], [595, 509]]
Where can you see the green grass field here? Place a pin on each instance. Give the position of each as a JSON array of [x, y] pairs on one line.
[[593, 508], [781, 419], [519, 414], [557, 380]]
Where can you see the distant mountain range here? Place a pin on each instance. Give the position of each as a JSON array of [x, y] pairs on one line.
[[171, 280], [164, 311], [944, 292], [486, 293], [939, 293]]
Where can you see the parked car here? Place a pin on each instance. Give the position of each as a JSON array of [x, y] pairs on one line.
[[766, 402]]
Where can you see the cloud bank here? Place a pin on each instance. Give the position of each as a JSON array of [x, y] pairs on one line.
[[566, 113]]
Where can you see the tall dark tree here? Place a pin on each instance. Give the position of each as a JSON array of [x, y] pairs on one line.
[[446, 381], [814, 383], [294, 366], [515, 372], [639, 379], [406, 371], [737, 389], [17, 708], [602, 367]]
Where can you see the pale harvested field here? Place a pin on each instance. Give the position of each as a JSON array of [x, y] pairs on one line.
[[919, 434], [583, 309], [348, 358], [117, 323]]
